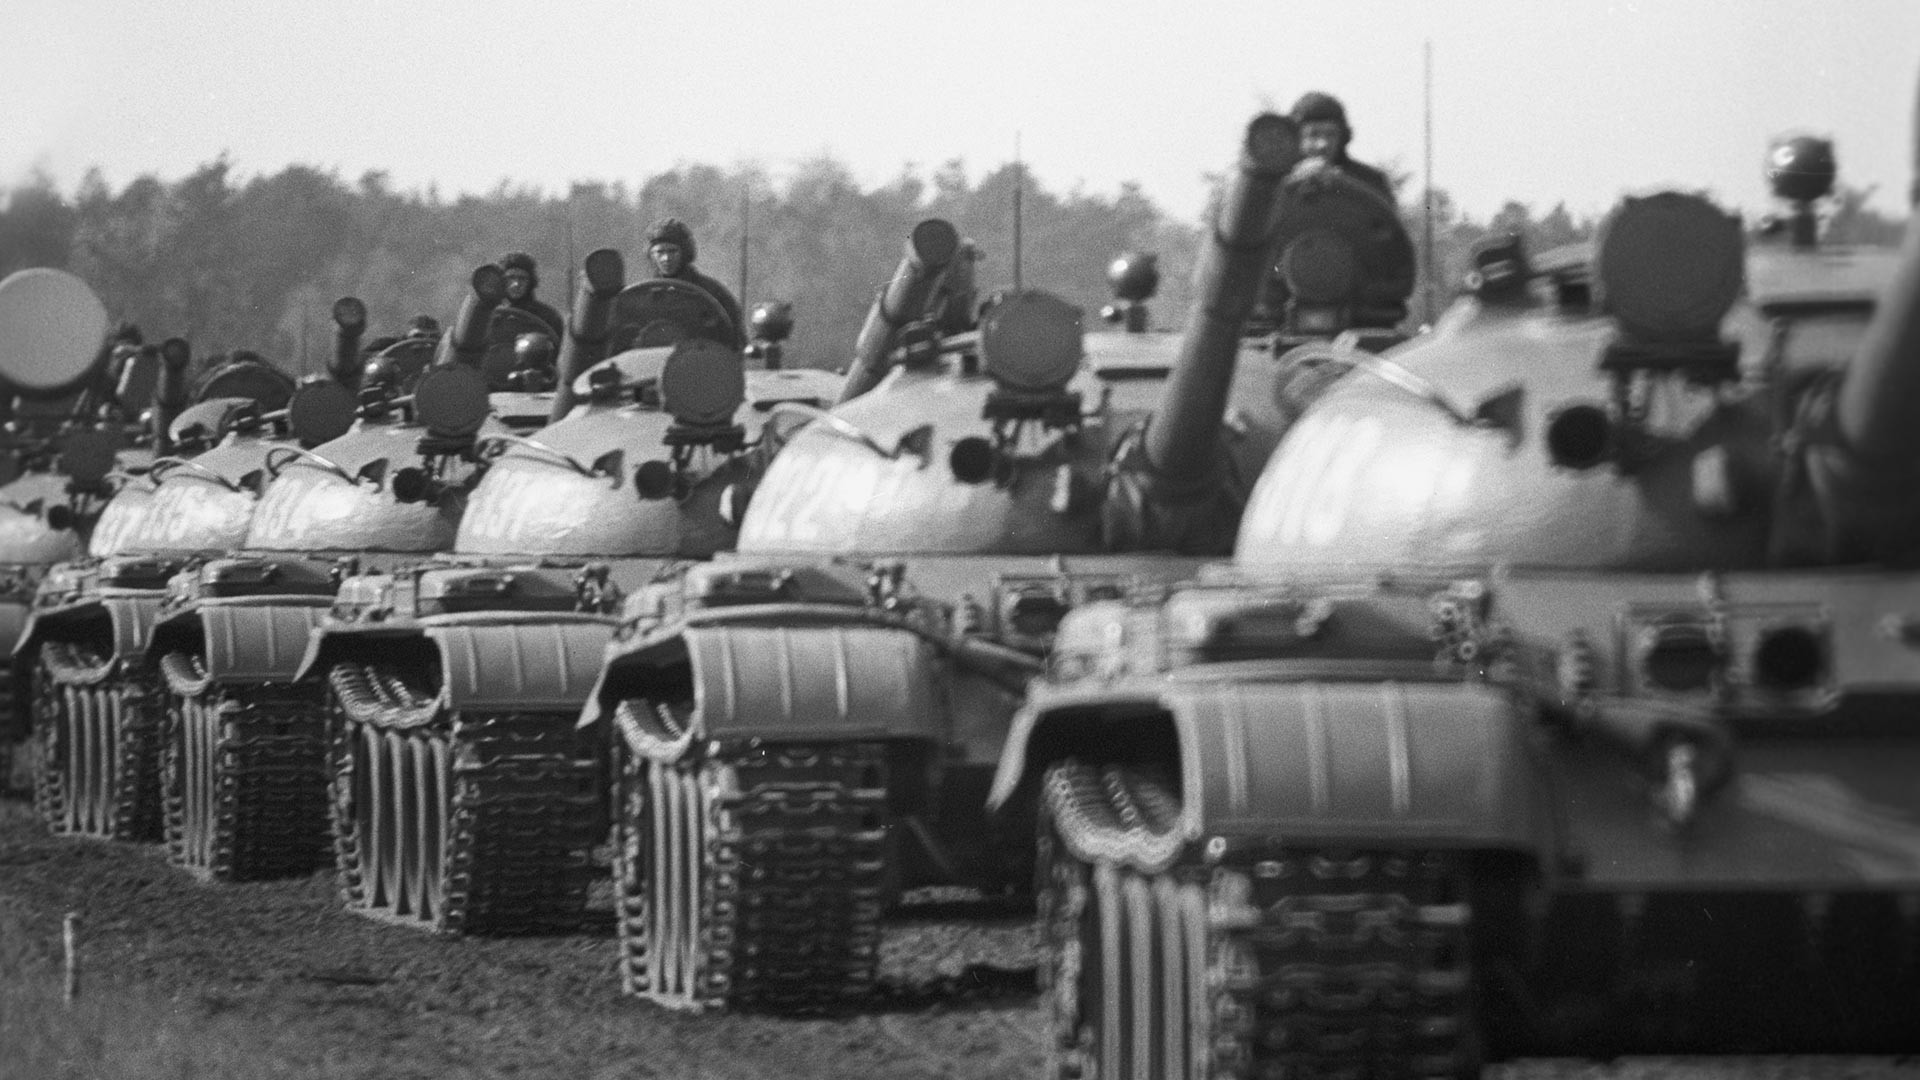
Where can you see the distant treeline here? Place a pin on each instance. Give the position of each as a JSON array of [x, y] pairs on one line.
[[256, 263]]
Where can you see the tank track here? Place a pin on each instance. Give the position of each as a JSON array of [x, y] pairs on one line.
[[243, 776], [9, 749], [1171, 959], [97, 773], [459, 823], [749, 876]]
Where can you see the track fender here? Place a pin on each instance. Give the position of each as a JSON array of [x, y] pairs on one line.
[[536, 664], [1349, 763], [13, 623], [130, 624], [247, 639], [787, 682]]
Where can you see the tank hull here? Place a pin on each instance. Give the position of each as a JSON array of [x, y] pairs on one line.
[[1589, 857]]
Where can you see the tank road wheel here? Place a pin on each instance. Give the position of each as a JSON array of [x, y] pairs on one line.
[[97, 773], [749, 876], [1166, 960], [459, 823]]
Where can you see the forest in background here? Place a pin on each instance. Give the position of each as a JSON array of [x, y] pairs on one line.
[[232, 262]]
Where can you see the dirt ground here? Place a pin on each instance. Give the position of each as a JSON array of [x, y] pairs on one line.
[[184, 980]]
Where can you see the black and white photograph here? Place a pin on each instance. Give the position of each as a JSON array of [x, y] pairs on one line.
[[1248, 540]]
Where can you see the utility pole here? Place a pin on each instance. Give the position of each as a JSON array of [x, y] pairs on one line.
[[746, 209], [1019, 196], [1432, 270], [573, 257]]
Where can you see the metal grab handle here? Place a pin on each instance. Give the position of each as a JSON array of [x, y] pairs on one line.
[[280, 457], [1400, 377], [536, 445], [165, 465], [840, 426]]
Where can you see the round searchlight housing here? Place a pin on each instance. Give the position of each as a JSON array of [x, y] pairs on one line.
[[1669, 267]]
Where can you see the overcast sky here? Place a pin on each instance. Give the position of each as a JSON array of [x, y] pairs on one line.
[[1539, 100]]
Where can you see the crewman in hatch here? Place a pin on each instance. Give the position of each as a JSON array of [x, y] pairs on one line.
[[522, 278], [670, 247], [1324, 134]]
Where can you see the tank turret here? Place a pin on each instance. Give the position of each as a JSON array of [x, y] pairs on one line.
[[1581, 632]]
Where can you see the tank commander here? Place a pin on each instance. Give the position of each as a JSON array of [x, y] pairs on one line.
[[1324, 134], [670, 246], [522, 278]]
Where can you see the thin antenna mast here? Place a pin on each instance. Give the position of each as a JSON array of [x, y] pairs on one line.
[[746, 224], [1427, 214], [573, 258], [1019, 196]]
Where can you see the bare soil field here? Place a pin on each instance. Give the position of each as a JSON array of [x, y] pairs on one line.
[[274, 980]]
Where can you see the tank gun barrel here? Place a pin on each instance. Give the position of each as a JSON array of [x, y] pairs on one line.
[[468, 337], [171, 396], [1181, 437], [1882, 387], [586, 344], [931, 248], [349, 326]]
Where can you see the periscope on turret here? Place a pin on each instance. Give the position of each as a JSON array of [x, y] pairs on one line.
[[852, 669], [1559, 698]]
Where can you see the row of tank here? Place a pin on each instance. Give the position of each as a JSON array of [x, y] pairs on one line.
[[1542, 683]]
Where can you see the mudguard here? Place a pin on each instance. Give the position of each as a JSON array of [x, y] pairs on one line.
[[794, 683], [533, 661], [13, 624], [1319, 762], [539, 662], [132, 614], [254, 639]]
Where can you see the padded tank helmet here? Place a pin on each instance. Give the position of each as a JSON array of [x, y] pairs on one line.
[[1317, 106], [520, 260], [673, 231]]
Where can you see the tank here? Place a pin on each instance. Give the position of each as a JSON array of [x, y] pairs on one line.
[[1558, 699], [900, 573], [245, 754], [84, 690], [463, 800], [71, 406]]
